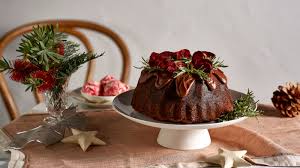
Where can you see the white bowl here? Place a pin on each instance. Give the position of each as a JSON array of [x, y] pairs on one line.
[[97, 99]]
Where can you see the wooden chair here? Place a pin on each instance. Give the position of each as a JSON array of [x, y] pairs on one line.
[[69, 27]]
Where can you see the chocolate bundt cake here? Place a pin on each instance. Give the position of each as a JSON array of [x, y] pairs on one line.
[[178, 87]]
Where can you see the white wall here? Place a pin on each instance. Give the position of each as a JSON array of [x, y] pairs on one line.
[[259, 39]]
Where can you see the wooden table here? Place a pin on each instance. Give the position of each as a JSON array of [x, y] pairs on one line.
[[134, 145]]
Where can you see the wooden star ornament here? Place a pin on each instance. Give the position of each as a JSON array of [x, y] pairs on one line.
[[83, 138], [228, 159]]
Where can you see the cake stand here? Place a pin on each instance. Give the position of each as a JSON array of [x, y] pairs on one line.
[[172, 135]]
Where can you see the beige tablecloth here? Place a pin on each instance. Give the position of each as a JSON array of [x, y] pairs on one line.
[[134, 145]]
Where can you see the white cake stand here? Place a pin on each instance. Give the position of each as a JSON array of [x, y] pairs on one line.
[[172, 135]]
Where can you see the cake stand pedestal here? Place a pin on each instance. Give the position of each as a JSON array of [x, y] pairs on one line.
[[184, 139], [172, 135]]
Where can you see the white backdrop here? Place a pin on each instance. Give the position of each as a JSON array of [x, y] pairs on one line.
[[258, 39]]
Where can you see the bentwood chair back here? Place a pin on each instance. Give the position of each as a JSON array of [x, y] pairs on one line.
[[70, 27]]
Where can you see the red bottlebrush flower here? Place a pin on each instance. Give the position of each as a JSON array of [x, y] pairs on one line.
[[47, 81], [17, 76], [22, 69], [60, 48], [199, 60], [184, 53]]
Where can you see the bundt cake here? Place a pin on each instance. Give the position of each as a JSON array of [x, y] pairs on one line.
[[184, 88]]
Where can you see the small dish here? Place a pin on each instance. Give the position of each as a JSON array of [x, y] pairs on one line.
[[78, 98], [97, 99]]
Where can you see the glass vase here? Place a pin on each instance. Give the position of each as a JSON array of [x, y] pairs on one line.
[[56, 101]]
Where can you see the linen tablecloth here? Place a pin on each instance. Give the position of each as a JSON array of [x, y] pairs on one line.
[[134, 145]]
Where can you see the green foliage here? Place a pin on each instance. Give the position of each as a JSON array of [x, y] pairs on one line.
[[71, 64], [70, 48], [4, 65], [217, 63], [32, 83], [245, 106], [191, 70], [147, 67], [188, 69], [39, 46], [42, 47]]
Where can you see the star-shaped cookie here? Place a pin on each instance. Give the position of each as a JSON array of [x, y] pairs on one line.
[[83, 138], [228, 159]]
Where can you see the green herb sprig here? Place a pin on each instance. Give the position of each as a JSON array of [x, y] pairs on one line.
[[38, 46], [147, 67], [45, 50], [5, 65], [216, 63], [245, 106], [71, 64], [190, 69]]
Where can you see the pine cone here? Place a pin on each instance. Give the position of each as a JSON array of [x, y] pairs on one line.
[[287, 99]]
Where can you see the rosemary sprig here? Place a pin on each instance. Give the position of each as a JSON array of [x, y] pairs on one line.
[[147, 67], [145, 64], [191, 70], [217, 63], [245, 106]]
